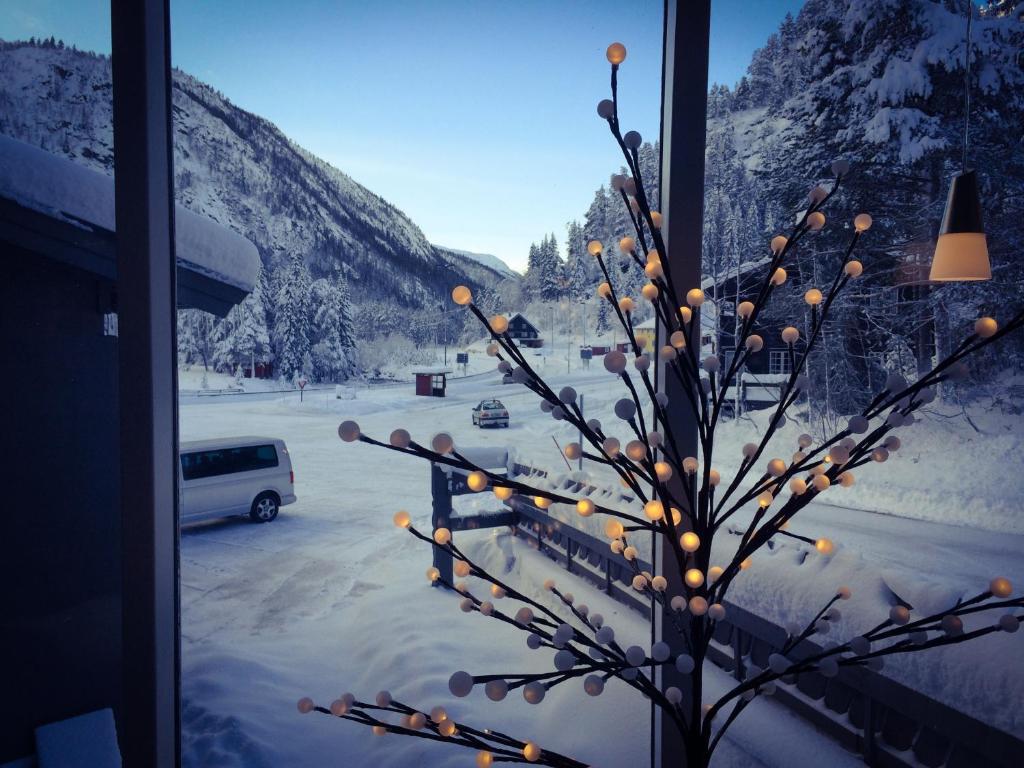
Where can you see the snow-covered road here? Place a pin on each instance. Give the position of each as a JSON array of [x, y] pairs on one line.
[[331, 597]]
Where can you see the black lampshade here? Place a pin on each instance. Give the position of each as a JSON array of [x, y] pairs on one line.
[[962, 252]]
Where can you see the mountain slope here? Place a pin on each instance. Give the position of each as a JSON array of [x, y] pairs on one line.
[[238, 169], [486, 259]]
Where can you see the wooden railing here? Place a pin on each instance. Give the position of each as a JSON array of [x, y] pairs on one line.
[[889, 724]]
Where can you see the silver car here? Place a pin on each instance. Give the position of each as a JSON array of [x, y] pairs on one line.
[[235, 476], [490, 413]]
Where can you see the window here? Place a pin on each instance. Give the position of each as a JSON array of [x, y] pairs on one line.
[[779, 362], [227, 461]]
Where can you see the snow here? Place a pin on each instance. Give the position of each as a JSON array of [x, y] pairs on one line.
[[487, 259], [71, 192], [331, 597]]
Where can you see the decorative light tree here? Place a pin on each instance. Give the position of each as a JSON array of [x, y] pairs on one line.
[[682, 497]]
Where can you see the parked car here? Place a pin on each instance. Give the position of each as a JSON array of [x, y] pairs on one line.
[[490, 413], [235, 476]]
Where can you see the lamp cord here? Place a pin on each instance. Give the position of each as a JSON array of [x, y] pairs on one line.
[[967, 84]]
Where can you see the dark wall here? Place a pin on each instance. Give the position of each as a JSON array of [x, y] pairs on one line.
[[60, 570]]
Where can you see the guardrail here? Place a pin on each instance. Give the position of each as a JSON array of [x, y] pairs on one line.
[[889, 724]]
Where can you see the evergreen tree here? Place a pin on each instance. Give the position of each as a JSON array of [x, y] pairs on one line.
[[242, 338], [292, 317], [334, 347], [580, 268]]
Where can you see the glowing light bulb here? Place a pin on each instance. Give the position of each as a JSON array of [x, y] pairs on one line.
[[754, 343], [499, 323], [663, 470], [616, 53], [594, 247], [402, 519], [695, 297], [656, 219], [862, 222], [816, 221], [442, 536], [854, 268], [503, 493], [613, 529], [694, 577], [813, 297], [790, 335], [765, 499], [626, 304], [531, 751], [689, 541], [686, 314], [484, 759], [650, 292], [778, 243], [985, 327], [627, 244], [476, 481], [654, 509], [745, 308], [690, 465], [604, 290], [698, 605], [585, 507], [433, 574], [461, 295], [446, 728], [1000, 587], [541, 502], [825, 546], [779, 276]]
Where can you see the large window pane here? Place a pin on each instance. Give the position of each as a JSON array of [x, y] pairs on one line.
[[376, 157], [880, 85], [60, 551]]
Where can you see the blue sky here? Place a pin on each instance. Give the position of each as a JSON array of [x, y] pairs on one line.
[[475, 117]]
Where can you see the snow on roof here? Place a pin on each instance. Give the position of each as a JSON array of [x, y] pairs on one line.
[[730, 274], [65, 190], [647, 324]]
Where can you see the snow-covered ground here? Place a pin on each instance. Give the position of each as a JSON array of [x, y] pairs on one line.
[[331, 597]]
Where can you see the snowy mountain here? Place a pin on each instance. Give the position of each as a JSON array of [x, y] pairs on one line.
[[240, 170], [488, 260]]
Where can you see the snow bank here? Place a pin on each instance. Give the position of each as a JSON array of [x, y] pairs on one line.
[[71, 192]]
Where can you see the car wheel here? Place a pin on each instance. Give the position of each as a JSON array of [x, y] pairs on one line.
[[264, 508]]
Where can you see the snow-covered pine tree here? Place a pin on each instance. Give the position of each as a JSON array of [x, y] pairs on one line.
[[242, 337], [291, 333], [579, 266], [334, 345], [552, 277]]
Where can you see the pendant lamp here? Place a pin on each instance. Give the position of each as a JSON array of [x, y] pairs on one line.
[[961, 253]]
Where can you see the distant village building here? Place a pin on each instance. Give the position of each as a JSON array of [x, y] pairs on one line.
[[764, 372], [523, 331], [432, 382]]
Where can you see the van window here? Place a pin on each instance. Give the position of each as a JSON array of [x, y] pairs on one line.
[[226, 461]]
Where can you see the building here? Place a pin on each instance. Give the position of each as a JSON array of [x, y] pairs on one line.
[[432, 382], [523, 331], [67, 606]]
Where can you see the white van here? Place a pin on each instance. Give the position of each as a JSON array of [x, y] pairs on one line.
[[235, 476]]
